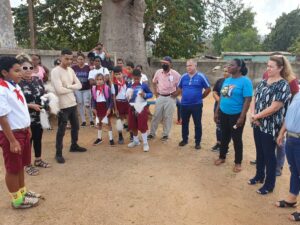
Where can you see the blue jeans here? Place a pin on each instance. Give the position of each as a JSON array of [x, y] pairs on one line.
[[280, 156], [265, 158], [293, 157], [196, 112]]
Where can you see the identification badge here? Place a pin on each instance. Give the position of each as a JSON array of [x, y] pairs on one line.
[[171, 78]]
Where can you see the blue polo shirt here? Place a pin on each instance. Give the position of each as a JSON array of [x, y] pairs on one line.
[[233, 94], [192, 88]]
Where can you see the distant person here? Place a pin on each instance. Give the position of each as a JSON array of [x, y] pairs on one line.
[[144, 78], [165, 83], [191, 85], [83, 96], [98, 69], [216, 94], [65, 82], [39, 70]]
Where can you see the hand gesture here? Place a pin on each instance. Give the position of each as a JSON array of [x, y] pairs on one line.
[[15, 147], [36, 107]]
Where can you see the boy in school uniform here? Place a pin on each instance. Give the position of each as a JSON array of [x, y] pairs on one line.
[[15, 134], [137, 121]]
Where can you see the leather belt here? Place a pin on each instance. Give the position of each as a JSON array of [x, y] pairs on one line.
[[21, 130], [292, 134], [165, 95]]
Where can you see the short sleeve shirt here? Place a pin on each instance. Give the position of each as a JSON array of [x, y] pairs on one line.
[[192, 88], [94, 72], [265, 95], [233, 94], [218, 86], [166, 82], [83, 75]]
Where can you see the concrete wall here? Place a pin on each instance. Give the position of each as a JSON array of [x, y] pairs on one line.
[[256, 69]]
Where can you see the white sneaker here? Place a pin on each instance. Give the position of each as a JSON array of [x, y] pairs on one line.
[[28, 202], [133, 144], [146, 147]]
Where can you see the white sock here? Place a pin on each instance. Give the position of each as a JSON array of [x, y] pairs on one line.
[[135, 139], [144, 136], [110, 135], [100, 134]]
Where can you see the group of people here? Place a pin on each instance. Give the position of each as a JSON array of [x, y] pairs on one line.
[[123, 91]]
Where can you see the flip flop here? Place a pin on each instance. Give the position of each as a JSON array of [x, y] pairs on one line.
[[285, 204]]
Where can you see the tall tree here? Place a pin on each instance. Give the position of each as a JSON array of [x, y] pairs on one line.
[[122, 29], [31, 24], [284, 33], [7, 34]]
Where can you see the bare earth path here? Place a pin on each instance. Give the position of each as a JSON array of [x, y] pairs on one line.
[[167, 186]]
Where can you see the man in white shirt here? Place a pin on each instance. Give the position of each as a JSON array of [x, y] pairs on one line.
[[97, 70]]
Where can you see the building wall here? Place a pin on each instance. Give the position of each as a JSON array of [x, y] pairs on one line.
[[255, 58]]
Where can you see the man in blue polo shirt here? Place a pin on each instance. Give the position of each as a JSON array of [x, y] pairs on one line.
[[191, 85]]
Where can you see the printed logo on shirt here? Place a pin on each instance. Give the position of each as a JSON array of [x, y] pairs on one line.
[[226, 91]]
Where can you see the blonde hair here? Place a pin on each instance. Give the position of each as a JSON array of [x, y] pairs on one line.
[[22, 58], [287, 71]]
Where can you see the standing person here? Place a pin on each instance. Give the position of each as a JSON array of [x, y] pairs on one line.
[[83, 96], [144, 78], [291, 127], [236, 96], [120, 101], [15, 134], [97, 70], [267, 118], [91, 59], [165, 83], [102, 103], [137, 121], [65, 82], [33, 90], [39, 70], [191, 86], [216, 95]]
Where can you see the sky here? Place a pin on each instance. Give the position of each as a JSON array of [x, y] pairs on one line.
[[267, 11]]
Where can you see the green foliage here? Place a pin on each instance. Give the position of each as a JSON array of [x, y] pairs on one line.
[[70, 24], [239, 34], [284, 33], [295, 48]]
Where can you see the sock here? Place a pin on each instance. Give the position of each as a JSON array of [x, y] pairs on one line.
[[17, 198], [23, 191], [110, 135], [100, 134], [120, 135], [144, 136], [135, 139]]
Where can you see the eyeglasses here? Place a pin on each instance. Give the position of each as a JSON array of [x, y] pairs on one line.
[[27, 68]]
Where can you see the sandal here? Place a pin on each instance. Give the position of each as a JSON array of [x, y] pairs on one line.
[[31, 170], [285, 204], [237, 168], [219, 162], [295, 216], [41, 163]]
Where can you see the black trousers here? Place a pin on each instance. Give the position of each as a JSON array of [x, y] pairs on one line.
[[228, 132], [63, 116], [36, 139]]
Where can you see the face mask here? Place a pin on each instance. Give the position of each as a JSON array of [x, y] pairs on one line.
[[165, 67]]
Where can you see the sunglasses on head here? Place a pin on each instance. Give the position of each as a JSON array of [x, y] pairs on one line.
[[27, 68]]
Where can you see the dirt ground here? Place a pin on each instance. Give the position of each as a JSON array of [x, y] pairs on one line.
[[166, 186]]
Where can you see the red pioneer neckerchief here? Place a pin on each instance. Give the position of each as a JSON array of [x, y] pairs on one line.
[[19, 96]]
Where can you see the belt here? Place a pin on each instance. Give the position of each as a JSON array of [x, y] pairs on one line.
[[165, 95], [292, 134], [21, 130]]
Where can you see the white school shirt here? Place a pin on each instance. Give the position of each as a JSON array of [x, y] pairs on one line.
[[11, 106], [100, 97], [94, 72], [121, 93]]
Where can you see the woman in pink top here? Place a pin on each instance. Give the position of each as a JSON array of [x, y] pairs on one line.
[[38, 70]]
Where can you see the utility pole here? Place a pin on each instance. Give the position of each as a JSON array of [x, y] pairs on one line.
[[31, 24]]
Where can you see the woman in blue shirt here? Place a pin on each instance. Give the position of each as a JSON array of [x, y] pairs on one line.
[[236, 95]]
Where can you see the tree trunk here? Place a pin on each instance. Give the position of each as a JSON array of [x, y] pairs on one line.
[[31, 24], [122, 30], [7, 34]]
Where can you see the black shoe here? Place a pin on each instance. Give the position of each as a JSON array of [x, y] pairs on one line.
[[125, 126], [77, 148], [150, 137], [164, 138], [182, 143], [253, 162], [92, 124], [111, 142], [98, 141], [60, 159], [197, 146], [216, 148], [83, 124]]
